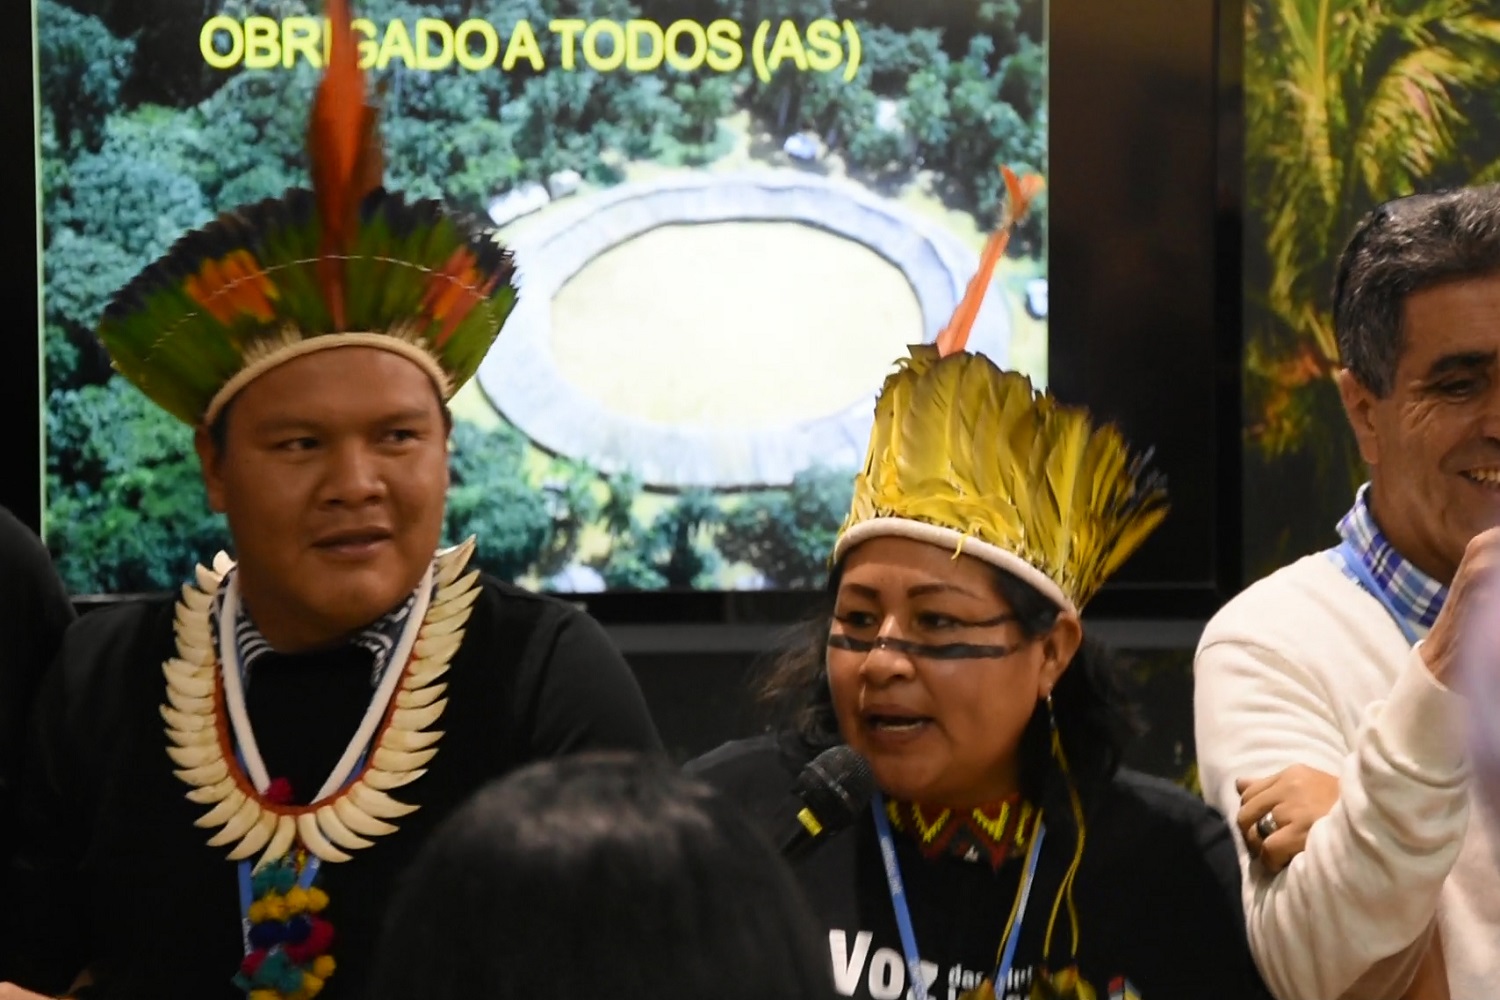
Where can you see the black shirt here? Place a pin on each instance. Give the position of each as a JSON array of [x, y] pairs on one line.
[[115, 876], [1157, 893]]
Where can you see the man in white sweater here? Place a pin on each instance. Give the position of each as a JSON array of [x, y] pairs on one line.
[[1346, 661]]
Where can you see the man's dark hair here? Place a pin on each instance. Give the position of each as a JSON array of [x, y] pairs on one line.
[[1404, 246]]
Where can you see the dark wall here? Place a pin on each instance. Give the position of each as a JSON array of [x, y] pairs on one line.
[[698, 683]]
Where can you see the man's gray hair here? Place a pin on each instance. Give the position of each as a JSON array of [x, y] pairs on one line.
[[1404, 246]]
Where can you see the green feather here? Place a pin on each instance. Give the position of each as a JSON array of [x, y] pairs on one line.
[[173, 348]]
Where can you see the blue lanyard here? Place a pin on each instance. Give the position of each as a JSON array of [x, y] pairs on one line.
[[1362, 572], [903, 913]]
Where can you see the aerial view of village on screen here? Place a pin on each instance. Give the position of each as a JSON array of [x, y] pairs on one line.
[[729, 220]]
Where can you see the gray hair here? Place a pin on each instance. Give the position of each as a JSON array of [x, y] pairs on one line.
[[1404, 246]]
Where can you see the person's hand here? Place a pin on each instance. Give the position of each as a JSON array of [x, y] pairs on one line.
[[1294, 799], [1473, 598], [10, 991]]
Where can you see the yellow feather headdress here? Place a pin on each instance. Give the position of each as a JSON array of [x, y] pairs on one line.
[[971, 457]]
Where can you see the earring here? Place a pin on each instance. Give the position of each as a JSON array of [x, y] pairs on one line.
[[1051, 715]]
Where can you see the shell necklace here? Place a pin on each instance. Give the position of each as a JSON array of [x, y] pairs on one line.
[[206, 718]]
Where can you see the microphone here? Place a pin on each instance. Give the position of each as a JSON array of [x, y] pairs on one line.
[[834, 787]]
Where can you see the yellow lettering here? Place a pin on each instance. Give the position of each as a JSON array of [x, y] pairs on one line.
[[262, 43], [635, 31], [369, 51], [396, 45], [725, 54], [672, 43], [300, 35], [427, 29], [523, 45], [823, 40], [466, 57], [591, 54], [206, 38], [788, 45], [568, 29]]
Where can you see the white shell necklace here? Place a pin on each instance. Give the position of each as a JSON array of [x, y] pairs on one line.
[[206, 718]]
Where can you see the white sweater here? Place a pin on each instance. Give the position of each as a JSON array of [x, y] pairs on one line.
[[1305, 667]]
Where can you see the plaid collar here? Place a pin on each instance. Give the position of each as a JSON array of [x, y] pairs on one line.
[[379, 638], [1417, 596]]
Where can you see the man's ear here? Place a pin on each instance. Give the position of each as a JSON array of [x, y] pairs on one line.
[[210, 461], [1359, 405], [1059, 646]]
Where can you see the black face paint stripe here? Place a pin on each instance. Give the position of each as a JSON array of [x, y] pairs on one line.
[[940, 651]]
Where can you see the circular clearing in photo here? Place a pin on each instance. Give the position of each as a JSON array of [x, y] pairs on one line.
[[732, 324]]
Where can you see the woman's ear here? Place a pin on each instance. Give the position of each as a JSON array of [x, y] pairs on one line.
[[1059, 646]]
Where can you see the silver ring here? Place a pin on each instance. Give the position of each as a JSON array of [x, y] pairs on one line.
[[1266, 825]]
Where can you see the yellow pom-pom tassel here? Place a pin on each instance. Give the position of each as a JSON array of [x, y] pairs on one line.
[[317, 899], [264, 995], [271, 906], [323, 966], [296, 900], [311, 984]]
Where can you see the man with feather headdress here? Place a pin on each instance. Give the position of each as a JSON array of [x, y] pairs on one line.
[[223, 785]]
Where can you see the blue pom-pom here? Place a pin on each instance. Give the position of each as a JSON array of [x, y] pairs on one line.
[[297, 929], [267, 934]]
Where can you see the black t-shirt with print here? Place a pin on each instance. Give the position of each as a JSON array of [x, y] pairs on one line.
[[1157, 894]]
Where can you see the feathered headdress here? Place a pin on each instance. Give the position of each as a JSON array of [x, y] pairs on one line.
[[345, 264], [970, 457]]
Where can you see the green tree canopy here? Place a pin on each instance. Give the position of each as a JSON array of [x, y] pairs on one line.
[[788, 535], [490, 498]]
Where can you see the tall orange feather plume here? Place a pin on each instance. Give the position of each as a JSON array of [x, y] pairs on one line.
[[1019, 194], [345, 150]]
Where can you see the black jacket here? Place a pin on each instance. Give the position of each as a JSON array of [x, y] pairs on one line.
[[34, 612]]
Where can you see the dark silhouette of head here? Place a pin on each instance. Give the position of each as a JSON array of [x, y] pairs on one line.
[[599, 875]]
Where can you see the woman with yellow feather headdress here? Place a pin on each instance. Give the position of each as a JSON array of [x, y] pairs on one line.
[[1004, 853]]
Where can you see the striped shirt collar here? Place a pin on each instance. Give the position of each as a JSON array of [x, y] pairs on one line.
[[1417, 596], [379, 638]]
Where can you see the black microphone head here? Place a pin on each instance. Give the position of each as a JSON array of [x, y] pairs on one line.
[[836, 786]]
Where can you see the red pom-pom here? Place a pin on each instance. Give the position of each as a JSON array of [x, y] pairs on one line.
[[316, 943], [279, 792], [252, 962]]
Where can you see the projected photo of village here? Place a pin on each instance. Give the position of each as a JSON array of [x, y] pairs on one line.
[[730, 219]]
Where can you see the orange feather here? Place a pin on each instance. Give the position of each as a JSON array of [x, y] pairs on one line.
[[1019, 194], [345, 152]]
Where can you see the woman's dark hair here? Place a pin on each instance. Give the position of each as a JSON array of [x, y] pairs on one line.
[[1095, 716], [599, 875]]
